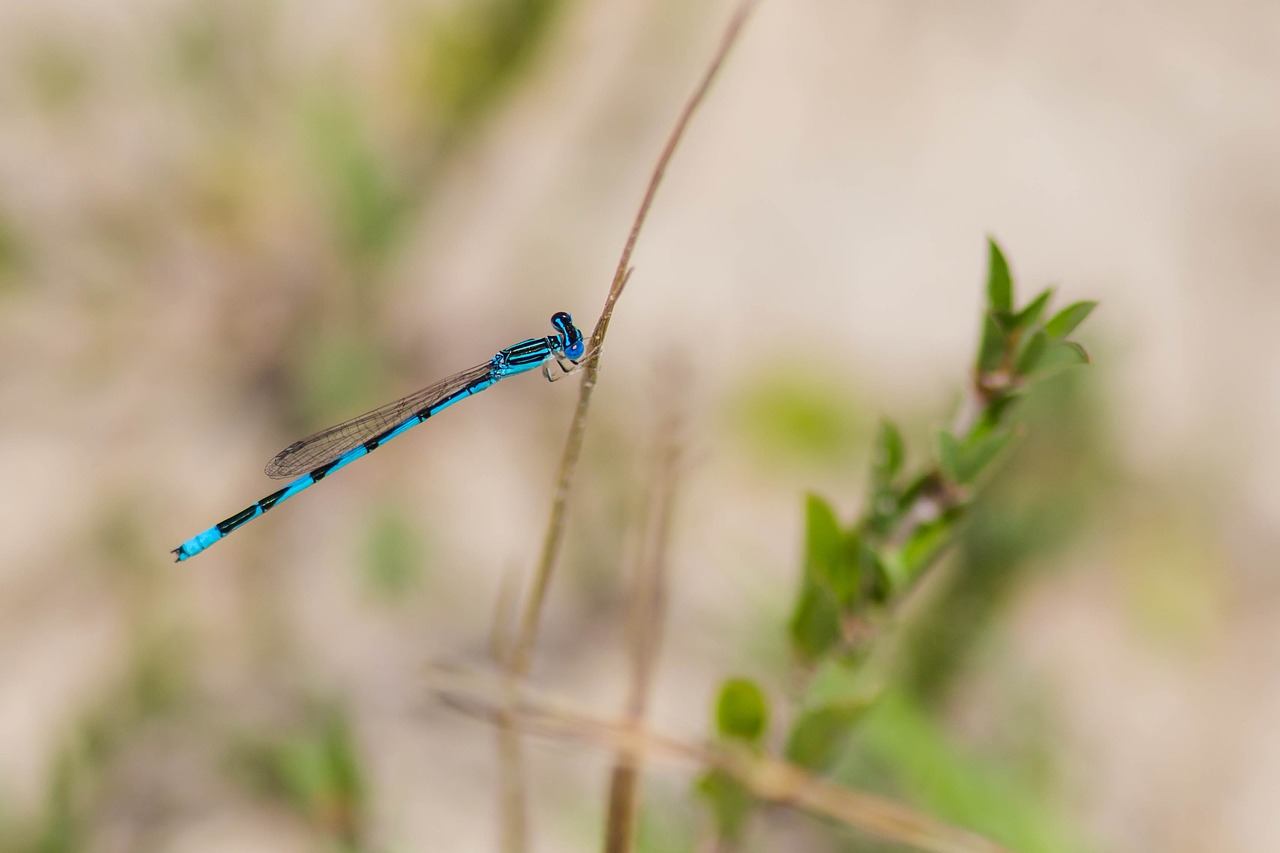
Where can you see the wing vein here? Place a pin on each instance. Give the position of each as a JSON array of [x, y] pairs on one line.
[[328, 444]]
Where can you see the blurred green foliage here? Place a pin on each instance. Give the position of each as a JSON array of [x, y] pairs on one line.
[[479, 50], [154, 684], [835, 698], [369, 201], [342, 375], [64, 829], [395, 555], [668, 825], [315, 767], [13, 254], [1027, 511], [796, 418], [57, 74], [742, 717], [855, 575], [900, 748], [80, 781]]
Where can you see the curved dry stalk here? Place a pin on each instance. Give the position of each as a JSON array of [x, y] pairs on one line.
[[519, 657], [766, 778], [522, 650]]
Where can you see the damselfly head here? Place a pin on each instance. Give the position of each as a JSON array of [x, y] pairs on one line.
[[570, 338]]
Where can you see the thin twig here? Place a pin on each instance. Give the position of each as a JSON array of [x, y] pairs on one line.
[[512, 806], [765, 777], [518, 664], [646, 618]]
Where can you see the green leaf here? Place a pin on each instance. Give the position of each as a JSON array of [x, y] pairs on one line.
[[1030, 315], [980, 453], [839, 693], [963, 462], [994, 344], [925, 544], [829, 553], [730, 802], [742, 712], [999, 281], [883, 506], [818, 737], [1026, 360], [921, 484], [873, 578], [839, 682], [815, 624], [890, 453], [1059, 355], [1065, 321], [884, 509], [822, 538], [949, 456], [995, 410], [829, 581], [1082, 354]]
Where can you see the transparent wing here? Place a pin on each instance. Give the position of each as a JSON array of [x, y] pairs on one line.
[[327, 445]]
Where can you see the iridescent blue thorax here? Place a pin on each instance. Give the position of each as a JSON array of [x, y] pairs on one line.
[[535, 352]]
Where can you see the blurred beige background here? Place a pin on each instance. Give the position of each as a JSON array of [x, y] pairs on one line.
[[225, 224]]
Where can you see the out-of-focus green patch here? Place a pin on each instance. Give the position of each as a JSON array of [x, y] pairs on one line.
[[16, 835], [395, 559], [201, 43], [13, 253], [316, 769], [853, 574], [798, 418], [342, 375], [222, 50], [837, 696], [225, 187], [1172, 579], [742, 717], [57, 74], [818, 736], [666, 823], [1035, 502], [742, 712], [161, 674], [899, 744], [85, 757], [158, 678], [63, 826], [478, 51], [120, 538], [154, 684], [368, 201], [731, 804]]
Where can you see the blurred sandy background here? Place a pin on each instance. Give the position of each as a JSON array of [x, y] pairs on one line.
[[226, 224]]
